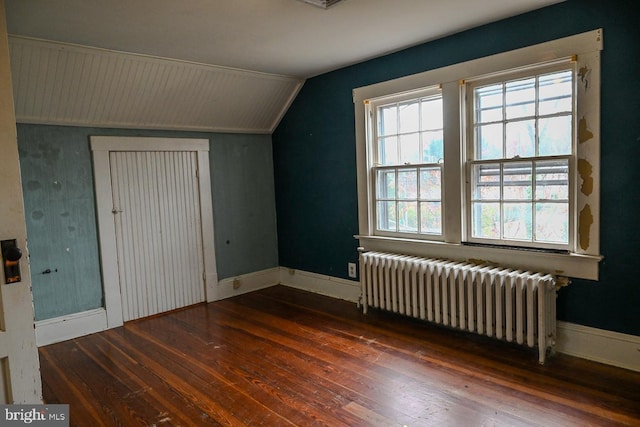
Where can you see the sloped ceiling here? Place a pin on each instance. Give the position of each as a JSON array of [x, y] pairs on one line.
[[72, 85], [229, 66]]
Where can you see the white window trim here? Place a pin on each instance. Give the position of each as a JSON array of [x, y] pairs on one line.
[[583, 263]]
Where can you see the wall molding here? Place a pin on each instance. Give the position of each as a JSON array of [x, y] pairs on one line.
[[335, 287], [57, 329], [599, 345]]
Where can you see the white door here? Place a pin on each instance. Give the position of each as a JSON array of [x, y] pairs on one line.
[[155, 220], [156, 208], [19, 365]]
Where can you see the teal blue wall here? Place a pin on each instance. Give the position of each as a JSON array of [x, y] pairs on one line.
[[315, 164], [59, 201]]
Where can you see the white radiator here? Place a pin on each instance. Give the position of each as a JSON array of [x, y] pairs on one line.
[[512, 305]]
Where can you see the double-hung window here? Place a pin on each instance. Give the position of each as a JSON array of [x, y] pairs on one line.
[[495, 159], [520, 147], [407, 169]]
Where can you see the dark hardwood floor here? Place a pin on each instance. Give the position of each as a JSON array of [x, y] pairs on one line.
[[282, 357]]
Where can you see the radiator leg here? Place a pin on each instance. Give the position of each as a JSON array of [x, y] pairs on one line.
[[542, 353]]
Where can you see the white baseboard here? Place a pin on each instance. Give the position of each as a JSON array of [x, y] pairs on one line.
[[348, 290], [248, 282], [75, 325], [599, 345]]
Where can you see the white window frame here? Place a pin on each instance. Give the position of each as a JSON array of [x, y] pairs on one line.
[[470, 156], [582, 260], [371, 112]]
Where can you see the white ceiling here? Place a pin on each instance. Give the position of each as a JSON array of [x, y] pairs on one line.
[[206, 65], [287, 37]]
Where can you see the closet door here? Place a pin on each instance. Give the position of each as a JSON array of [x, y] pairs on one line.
[[158, 227]]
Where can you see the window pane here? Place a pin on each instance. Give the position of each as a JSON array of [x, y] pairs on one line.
[[486, 182], [408, 217], [521, 139], [555, 136], [388, 151], [518, 221], [489, 142], [486, 220], [386, 212], [386, 184], [555, 93], [520, 98], [552, 180], [432, 146], [388, 120], [432, 114], [431, 217], [430, 184], [410, 148], [409, 117], [488, 103], [552, 222], [408, 184], [517, 181]]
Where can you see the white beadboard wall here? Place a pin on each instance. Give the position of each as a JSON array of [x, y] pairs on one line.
[[58, 83]]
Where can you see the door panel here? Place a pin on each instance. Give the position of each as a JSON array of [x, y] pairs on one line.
[[19, 365], [158, 231]]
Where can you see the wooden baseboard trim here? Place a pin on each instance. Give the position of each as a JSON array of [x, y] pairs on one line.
[[244, 283], [348, 290], [75, 325], [599, 345]]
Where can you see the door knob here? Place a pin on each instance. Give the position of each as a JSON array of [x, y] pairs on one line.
[[11, 255]]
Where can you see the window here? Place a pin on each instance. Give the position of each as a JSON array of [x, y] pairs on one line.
[[521, 145], [494, 159], [408, 165]]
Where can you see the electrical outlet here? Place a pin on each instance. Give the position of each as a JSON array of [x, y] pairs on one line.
[[352, 270]]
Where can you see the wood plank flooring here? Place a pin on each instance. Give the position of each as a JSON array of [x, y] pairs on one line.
[[283, 357]]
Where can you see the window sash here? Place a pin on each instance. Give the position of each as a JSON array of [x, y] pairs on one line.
[[408, 200], [504, 219], [402, 143], [540, 187]]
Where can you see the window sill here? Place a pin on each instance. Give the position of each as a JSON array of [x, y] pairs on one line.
[[562, 264]]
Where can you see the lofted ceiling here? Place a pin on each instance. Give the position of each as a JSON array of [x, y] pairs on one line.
[[232, 66]]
